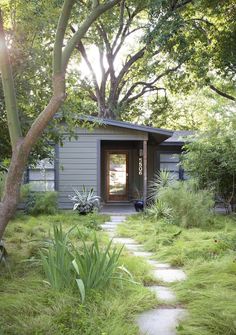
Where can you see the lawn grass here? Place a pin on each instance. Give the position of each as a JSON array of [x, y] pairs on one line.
[[30, 307], [209, 258]]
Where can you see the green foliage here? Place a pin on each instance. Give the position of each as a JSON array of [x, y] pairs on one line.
[[160, 180], [211, 159], [39, 202], [97, 266], [29, 306], [159, 210], [208, 257], [189, 208], [57, 260], [85, 201]]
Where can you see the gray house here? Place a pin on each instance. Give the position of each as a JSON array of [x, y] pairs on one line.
[[115, 158]]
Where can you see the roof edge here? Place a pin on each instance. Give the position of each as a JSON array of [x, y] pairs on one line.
[[128, 125]]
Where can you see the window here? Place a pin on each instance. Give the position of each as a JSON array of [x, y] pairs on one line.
[[42, 176], [171, 163]]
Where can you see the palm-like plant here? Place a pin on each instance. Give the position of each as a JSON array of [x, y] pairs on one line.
[[85, 201], [161, 179]]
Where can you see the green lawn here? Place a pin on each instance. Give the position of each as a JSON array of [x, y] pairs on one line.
[[29, 306], [209, 258]]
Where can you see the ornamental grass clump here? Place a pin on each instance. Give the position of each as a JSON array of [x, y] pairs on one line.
[[159, 210], [189, 207]]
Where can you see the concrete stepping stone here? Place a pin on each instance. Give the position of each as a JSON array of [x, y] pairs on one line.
[[158, 265], [108, 225], [163, 293], [161, 321], [169, 275], [144, 254], [133, 247], [118, 218], [124, 240]]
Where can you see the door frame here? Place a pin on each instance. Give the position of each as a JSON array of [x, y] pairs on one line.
[[116, 198]]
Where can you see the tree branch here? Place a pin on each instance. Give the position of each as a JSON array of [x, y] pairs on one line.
[[223, 94], [83, 52], [60, 33], [127, 98], [95, 13], [59, 96], [9, 89]]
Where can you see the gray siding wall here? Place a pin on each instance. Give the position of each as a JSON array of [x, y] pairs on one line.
[[79, 161]]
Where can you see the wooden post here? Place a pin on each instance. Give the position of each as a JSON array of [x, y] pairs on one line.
[[145, 171]]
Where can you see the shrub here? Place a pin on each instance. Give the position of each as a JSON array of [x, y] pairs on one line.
[[190, 207], [41, 203], [85, 201]]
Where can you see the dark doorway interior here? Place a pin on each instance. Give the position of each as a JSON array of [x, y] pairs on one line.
[[120, 180]]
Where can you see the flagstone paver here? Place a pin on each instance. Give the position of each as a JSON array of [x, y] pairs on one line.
[[160, 321]]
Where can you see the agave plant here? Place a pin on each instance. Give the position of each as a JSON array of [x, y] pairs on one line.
[[85, 201]]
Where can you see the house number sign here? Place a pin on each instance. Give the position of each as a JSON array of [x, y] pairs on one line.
[[140, 166]]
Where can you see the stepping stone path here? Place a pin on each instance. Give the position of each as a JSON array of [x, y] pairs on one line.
[[165, 319]]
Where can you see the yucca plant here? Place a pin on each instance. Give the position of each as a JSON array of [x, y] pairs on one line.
[[161, 179], [96, 265], [85, 201], [57, 260]]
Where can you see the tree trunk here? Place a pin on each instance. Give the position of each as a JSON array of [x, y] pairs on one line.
[[11, 196]]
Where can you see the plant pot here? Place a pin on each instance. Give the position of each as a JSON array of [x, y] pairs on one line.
[[139, 205]]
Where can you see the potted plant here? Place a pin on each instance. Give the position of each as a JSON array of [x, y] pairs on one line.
[[85, 201], [138, 201]]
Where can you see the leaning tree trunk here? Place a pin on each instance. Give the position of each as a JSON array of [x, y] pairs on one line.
[[11, 196]]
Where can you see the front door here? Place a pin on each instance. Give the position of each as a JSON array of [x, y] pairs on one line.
[[117, 175]]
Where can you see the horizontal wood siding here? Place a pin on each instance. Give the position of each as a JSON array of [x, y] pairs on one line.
[[78, 159]]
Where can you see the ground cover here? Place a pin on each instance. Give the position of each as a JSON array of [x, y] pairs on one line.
[[208, 255], [30, 306]]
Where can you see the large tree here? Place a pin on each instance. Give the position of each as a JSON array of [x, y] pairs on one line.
[[62, 51], [146, 48], [130, 64]]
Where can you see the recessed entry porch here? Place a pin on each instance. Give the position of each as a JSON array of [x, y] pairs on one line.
[[124, 171]]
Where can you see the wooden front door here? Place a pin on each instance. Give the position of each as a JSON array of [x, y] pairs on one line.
[[117, 175]]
